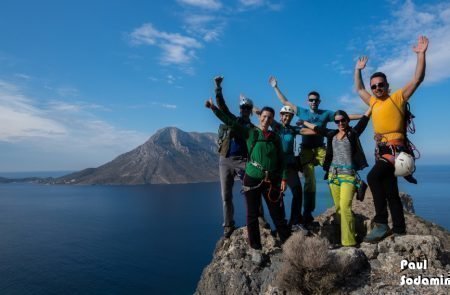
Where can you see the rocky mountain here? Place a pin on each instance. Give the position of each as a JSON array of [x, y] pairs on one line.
[[306, 265], [169, 156]]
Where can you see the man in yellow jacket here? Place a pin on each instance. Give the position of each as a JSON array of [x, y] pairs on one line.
[[388, 117]]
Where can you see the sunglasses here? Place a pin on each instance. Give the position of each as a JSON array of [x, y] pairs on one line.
[[246, 107], [379, 85], [340, 121], [313, 100]]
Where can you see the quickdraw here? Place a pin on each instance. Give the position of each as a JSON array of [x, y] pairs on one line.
[[271, 188]]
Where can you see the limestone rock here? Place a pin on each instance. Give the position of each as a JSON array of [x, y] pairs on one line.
[[371, 269]]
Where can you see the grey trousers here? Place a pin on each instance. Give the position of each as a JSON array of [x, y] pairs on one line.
[[228, 169]]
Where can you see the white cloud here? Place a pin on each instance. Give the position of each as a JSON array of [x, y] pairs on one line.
[[249, 4], [252, 2], [22, 76], [164, 105], [20, 118], [202, 23], [153, 104], [65, 125], [62, 106], [206, 4], [208, 27], [352, 104], [67, 91], [397, 37], [169, 106], [176, 48]]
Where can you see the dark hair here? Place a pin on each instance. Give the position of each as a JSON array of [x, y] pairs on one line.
[[378, 74], [343, 114], [268, 109], [315, 93]]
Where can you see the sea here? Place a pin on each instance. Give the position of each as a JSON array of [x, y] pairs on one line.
[[147, 239]]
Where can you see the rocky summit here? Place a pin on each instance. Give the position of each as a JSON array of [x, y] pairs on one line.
[[169, 156], [305, 264]]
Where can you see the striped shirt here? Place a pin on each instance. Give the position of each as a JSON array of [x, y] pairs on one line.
[[342, 156]]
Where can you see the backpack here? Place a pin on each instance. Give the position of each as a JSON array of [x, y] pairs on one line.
[[223, 134], [272, 138]]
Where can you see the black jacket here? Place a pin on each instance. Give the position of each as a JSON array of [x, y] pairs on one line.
[[358, 158], [225, 134]]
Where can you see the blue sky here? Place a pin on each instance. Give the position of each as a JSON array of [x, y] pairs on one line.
[[84, 81]]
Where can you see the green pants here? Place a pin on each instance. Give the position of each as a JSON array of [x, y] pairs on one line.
[[310, 158], [342, 188]]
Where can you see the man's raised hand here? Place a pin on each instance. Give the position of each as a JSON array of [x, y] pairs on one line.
[[422, 45], [209, 103], [218, 80], [272, 81], [361, 62]]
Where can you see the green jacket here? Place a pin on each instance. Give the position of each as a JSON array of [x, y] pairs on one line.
[[265, 152]]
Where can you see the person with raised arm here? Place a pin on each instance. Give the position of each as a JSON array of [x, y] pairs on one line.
[[287, 134], [344, 157], [265, 173], [312, 152], [233, 156], [388, 117]]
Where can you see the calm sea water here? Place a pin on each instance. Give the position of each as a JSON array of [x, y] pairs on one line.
[[135, 239]]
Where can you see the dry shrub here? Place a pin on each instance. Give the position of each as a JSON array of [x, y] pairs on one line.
[[308, 266]]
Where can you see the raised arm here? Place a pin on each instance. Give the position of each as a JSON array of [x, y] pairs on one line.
[[273, 82], [420, 49], [227, 119], [256, 111], [359, 84], [219, 96], [362, 123], [355, 116]]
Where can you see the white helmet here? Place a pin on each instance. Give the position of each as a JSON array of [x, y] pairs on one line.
[[287, 109], [404, 164], [245, 101]]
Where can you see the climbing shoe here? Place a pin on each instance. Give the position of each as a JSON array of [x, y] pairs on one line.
[[379, 232], [228, 230]]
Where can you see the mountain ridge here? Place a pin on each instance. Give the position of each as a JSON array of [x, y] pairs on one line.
[[169, 156]]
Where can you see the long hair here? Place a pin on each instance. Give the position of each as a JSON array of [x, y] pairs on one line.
[[343, 114]]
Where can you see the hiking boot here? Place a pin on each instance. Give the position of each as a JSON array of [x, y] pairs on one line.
[[379, 232], [334, 246], [262, 222], [227, 231]]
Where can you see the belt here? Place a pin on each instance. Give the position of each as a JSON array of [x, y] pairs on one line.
[[342, 166]]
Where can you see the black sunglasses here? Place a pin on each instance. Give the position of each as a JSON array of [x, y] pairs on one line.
[[246, 107], [379, 85], [313, 100], [340, 121]]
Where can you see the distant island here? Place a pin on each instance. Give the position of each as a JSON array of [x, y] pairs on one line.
[[170, 156]]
